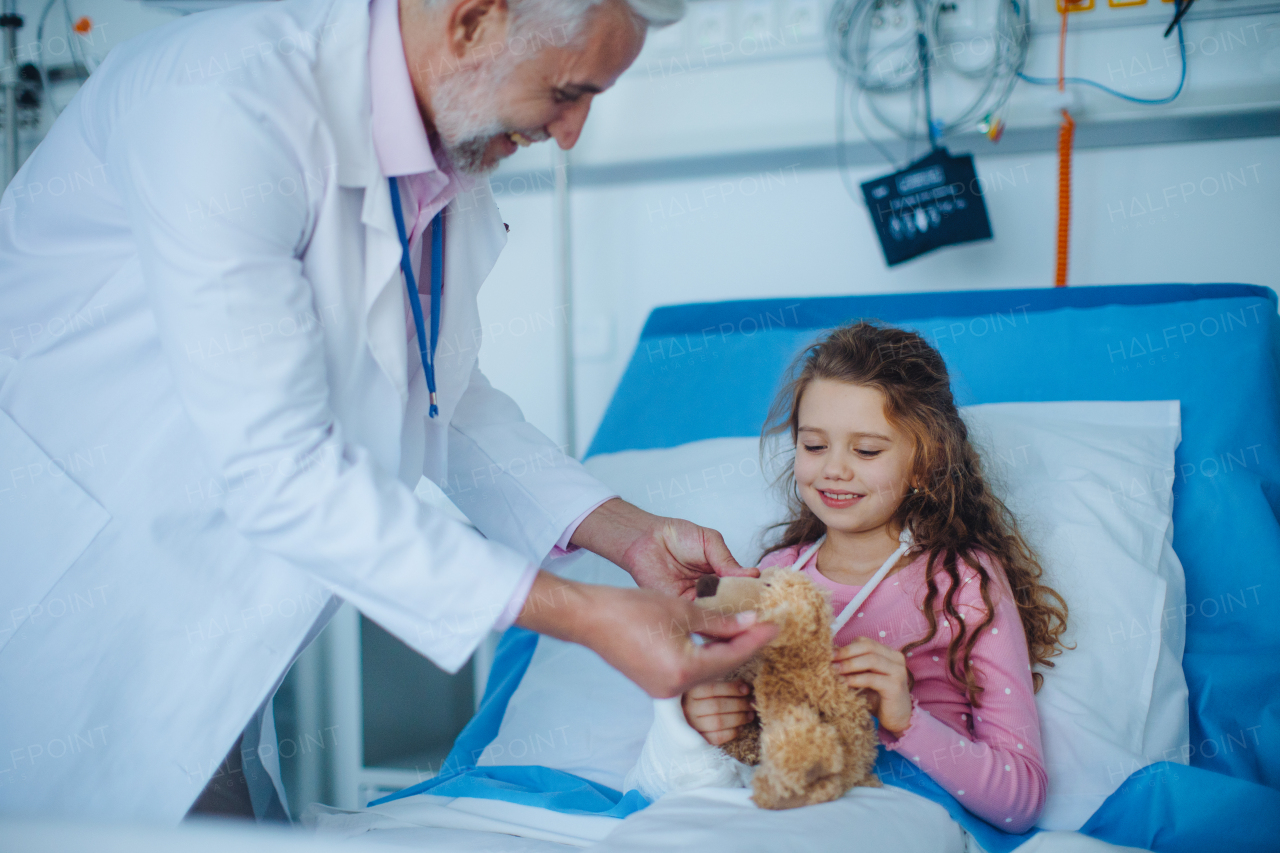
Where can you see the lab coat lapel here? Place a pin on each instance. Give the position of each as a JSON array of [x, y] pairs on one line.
[[343, 77], [474, 233], [384, 305], [474, 237]]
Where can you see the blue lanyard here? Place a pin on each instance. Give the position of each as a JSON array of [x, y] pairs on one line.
[[437, 286]]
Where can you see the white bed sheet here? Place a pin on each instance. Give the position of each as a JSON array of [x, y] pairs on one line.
[[1062, 842], [707, 820], [724, 820], [432, 840], [460, 813]]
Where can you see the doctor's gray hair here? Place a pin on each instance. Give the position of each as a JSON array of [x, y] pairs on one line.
[[568, 16], [530, 14]]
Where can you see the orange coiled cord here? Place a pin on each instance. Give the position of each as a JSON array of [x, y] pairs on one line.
[[1066, 133]]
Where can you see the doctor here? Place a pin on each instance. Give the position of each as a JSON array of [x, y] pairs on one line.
[[234, 334]]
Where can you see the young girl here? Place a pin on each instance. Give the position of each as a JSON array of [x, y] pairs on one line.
[[945, 643]]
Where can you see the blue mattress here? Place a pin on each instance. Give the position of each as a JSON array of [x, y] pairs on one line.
[[711, 370]]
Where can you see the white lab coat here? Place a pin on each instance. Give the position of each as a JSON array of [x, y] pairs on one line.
[[210, 419]]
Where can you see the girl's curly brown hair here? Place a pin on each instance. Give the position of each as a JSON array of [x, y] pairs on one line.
[[952, 513]]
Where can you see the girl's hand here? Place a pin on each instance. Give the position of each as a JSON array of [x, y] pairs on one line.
[[716, 710], [864, 663]]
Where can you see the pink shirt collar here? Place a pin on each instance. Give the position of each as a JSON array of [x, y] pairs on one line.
[[399, 136]]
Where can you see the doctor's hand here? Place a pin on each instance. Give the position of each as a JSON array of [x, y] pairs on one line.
[[664, 554], [643, 634]]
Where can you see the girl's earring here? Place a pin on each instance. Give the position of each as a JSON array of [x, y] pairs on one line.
[[914, 490]]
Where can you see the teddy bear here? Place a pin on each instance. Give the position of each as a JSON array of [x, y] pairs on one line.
[[812, 738]]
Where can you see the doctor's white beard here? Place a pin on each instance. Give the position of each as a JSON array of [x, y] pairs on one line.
[[465, 107]]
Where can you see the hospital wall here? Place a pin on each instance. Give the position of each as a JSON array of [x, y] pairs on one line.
[[1200, 210]]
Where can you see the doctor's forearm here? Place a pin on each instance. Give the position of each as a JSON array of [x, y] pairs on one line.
[[641, 633], [559, 608], [663, 554], [613, 531]]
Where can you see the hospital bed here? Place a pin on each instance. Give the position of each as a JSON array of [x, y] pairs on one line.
[[1136, 429]]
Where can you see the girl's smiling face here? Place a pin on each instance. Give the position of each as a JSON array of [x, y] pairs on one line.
[[852, 466]]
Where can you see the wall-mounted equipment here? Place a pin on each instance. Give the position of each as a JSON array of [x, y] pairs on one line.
[[934, 202], [893, 56]]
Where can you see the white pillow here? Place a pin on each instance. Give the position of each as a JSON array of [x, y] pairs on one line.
[[1090, 483], [1091, 486]]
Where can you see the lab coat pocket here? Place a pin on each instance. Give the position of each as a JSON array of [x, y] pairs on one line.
[[46, 523]]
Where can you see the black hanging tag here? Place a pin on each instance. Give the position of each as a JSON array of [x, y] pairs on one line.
[[934, 202]]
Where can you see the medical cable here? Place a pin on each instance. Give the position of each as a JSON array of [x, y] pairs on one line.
[[904, 64], [1081, 81], [848, 41], [1182, 7], [841, 106], [1066, 135], [922, 46]]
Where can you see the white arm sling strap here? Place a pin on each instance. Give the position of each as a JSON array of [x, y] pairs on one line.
[[905, 544]]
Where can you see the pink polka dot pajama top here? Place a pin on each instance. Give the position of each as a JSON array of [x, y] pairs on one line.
[[990, 757]]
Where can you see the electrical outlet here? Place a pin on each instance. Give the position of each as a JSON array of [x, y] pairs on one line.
[[803, 20], [708, 23], [958, 15], [966, 19], [714, 33], [666, 41], [755, 21]]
